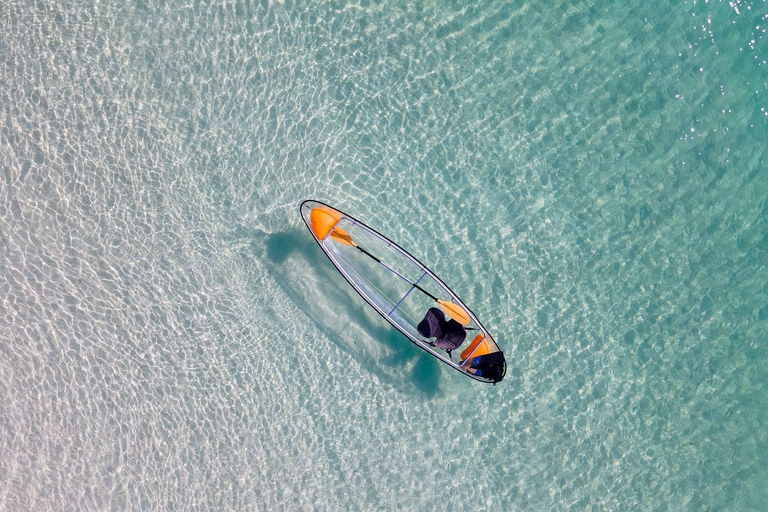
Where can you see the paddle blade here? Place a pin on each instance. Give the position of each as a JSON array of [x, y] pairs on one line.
[[454, 311], [341, 236]]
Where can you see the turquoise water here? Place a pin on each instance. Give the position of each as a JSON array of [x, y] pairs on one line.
[[590, 177]]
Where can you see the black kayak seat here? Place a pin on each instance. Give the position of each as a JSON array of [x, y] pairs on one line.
[[449, 334]]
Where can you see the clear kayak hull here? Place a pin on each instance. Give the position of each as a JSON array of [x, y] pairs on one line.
[[400, 288]]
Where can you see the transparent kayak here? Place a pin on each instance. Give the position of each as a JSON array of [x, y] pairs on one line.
[[406, 293]]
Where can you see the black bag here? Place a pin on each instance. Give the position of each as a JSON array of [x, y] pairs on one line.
[[492, 366]]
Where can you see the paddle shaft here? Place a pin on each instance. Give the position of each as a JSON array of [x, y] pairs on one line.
[[454, 311], [422, 290]]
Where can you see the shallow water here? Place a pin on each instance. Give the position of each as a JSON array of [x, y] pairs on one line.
[[589, 178]]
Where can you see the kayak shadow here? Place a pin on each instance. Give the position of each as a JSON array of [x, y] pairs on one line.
[[297, 263], [424, 369]]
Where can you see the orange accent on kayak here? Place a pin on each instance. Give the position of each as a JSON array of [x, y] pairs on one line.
[[323, 220], [342, 237], [481, 351]]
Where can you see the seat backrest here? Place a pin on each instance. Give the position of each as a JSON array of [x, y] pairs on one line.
[[433, 324]]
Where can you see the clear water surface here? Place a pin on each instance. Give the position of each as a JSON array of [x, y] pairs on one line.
[[590, 177]]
